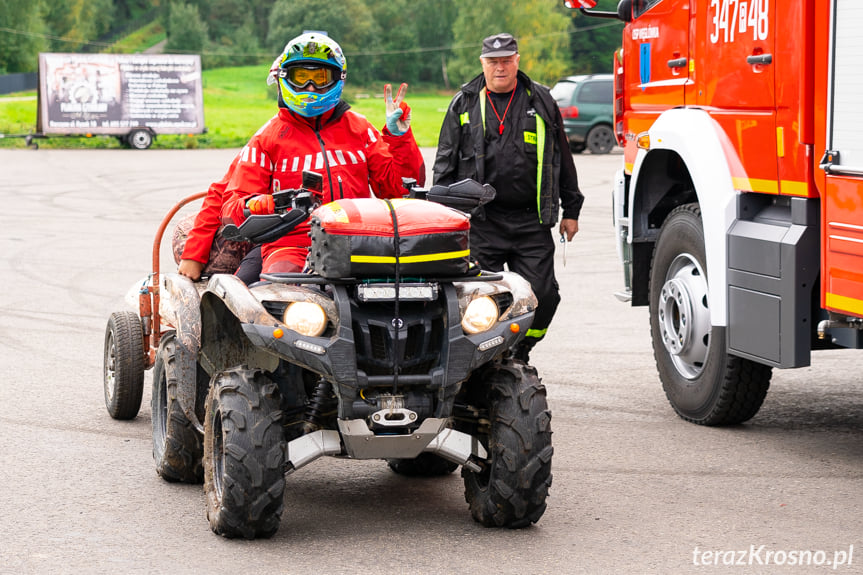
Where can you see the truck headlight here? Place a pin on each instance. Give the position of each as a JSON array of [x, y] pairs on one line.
[[480, 315], [305, 318]]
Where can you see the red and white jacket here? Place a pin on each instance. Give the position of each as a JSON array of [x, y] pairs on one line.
[[353, 157], [208, 221]]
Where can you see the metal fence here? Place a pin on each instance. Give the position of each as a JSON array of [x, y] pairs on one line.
[[18, 82]]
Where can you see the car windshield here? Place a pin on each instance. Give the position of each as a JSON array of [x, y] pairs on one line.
[[562, 92]]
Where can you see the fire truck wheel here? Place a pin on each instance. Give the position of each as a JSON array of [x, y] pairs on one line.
[[177, 446], [244, 455], [511, 489], [600, 139], [424, 465], [123, 370], [703, 383]]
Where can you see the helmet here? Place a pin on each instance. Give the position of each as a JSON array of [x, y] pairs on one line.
[[293, 72]]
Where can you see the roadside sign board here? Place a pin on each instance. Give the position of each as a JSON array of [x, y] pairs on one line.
[[116, 93]]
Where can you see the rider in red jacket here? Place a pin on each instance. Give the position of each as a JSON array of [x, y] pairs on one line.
[[315, 130]]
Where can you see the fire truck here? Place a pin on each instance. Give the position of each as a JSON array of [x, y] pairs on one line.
[[739, 205]]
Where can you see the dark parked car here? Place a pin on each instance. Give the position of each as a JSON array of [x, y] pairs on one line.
[[587, 106]]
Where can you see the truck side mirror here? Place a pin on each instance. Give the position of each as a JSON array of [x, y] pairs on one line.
[[624, 10]]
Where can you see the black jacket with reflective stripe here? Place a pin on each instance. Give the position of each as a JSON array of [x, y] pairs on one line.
[[461, 148]]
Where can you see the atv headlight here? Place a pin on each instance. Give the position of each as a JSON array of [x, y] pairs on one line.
[[306, 318], [480, 315]]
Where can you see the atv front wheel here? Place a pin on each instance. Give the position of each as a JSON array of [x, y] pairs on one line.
[[178, 448], [423, 465], [244, 455], [511, 489], [123, 368]]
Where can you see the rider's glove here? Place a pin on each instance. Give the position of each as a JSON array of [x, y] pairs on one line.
[[398, 112], [261, 205]]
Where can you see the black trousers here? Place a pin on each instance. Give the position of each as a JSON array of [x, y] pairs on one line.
[[516, 239]]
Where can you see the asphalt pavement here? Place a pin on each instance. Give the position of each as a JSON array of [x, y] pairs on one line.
[[635, 490]]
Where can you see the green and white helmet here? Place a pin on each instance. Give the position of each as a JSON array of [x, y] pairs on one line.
[[309, 51]]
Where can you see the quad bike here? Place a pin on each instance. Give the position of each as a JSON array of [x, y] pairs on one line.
[[398, 360]]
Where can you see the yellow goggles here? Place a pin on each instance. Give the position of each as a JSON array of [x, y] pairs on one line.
[[301, 76]]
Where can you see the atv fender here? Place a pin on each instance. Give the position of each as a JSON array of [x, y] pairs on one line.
[[180, 304], [227, 306]]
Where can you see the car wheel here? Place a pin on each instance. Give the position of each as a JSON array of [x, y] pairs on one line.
[[600, 139]]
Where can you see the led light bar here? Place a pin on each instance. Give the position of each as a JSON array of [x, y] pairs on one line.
[[407, 292]]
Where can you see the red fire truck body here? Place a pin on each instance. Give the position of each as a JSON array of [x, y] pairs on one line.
[[739, 205]]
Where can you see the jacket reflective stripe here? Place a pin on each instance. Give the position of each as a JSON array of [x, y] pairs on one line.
[[482, 108], [464, 118], [540, 153], [536, 333]]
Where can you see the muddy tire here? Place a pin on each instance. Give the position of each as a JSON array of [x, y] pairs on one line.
[[178, 448], [513, 486], [244, 455], [703, 383], [424, 465], [123, 367]]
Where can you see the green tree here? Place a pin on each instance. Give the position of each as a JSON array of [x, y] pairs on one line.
[[76, 22], [434, 35], [187, 33], [241, 48], [541, 28], [395, 61], [543, 33], [21, 43], [261, 10], [224, 17], [474, 21], [595, 40]]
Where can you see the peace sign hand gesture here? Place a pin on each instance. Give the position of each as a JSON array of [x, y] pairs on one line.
[[398, 112]]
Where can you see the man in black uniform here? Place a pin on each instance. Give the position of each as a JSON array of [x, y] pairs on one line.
[[505, 130]]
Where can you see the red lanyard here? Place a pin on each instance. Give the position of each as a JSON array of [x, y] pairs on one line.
[[499, 119]]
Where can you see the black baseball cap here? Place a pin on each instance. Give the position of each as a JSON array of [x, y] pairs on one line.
[[499, 46]]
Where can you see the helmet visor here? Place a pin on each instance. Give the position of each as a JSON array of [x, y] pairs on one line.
[[299, 77]]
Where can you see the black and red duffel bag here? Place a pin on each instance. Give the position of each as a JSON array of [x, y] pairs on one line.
[[365, 237]]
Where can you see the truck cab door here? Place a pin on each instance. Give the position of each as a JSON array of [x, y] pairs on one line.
[[734, 80], [656, 56]]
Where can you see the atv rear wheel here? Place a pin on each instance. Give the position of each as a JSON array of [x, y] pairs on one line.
[[123, 368], [178, 448], [244, 455], [512, 488], [423, 465]]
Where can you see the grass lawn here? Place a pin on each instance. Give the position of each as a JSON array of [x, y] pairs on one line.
[[237, 102]]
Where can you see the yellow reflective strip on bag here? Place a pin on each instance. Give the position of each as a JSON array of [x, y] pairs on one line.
[[359, 259]]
